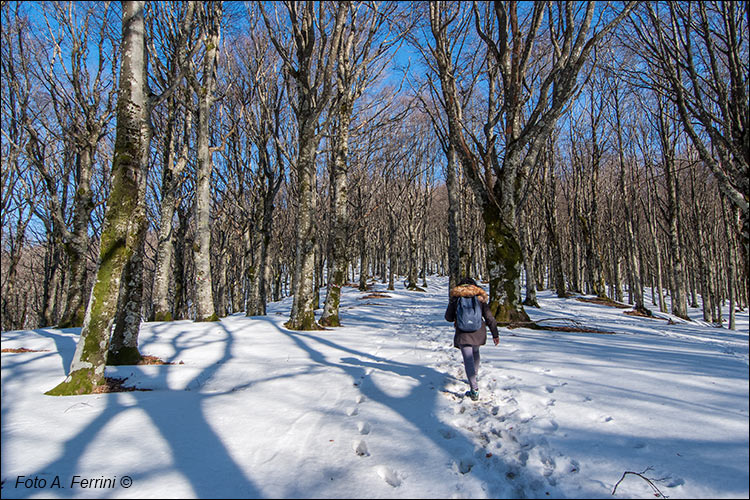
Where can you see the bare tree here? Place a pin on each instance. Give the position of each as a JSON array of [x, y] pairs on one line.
[[362, 46], [699, 51], [629, 205], [210, 20], [175, 25], [260, 90], [18, 197], [83, 105], [512, 42], [123, 220], [316, 29], [549, 202]]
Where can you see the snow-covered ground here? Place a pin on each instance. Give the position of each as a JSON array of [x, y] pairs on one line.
[[375, 409]]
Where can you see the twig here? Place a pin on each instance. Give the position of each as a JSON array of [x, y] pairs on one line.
[[657, 492]]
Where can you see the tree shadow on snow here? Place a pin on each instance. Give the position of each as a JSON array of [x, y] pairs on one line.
[[198, 453], [419, 409]]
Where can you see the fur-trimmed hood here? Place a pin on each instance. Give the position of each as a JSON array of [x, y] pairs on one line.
[[469, 291]]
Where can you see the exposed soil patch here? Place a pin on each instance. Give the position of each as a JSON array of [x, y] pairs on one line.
[[575, 329], [376, 295], [603, 302], [573, 326], [640, 314], [112, 384], [23, 349], [153, 360]]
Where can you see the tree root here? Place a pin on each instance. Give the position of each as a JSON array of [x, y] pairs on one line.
[[575, 326]]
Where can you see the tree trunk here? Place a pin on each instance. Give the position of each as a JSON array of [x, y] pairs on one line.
[[123, 347], [504, 262], [303, 312], [528, 263], [730, 221], [118, 239], [172, 169], [339, 203], [52, 282], [550, 210], [679, 297], [204, 301], [179, 239], [457, 253], [363, 261]]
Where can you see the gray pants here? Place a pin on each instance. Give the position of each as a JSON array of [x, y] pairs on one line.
[[470, 354]]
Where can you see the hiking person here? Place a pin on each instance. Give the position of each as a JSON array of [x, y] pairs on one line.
[[469, 310]]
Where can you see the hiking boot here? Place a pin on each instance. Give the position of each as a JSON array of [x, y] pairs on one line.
[[474, 395]]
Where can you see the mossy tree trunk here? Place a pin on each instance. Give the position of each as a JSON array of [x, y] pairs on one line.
[[123, 346], [355, 68], [504, 262], [83, 101], [119, 231]]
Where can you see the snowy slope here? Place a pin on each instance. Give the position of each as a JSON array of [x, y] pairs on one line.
[[375, 409]]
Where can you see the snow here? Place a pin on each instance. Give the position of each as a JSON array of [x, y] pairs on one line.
[[375, 409]]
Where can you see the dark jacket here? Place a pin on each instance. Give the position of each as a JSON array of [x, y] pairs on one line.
[[477, 337]]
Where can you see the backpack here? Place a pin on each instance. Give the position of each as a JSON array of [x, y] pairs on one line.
[[468, 314]]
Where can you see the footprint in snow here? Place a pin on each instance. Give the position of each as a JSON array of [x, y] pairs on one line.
[[447, 433], [465, 465], [360, 448], [548, 425], [388, 475], [351, 411], [549, 464], [363, 427]]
